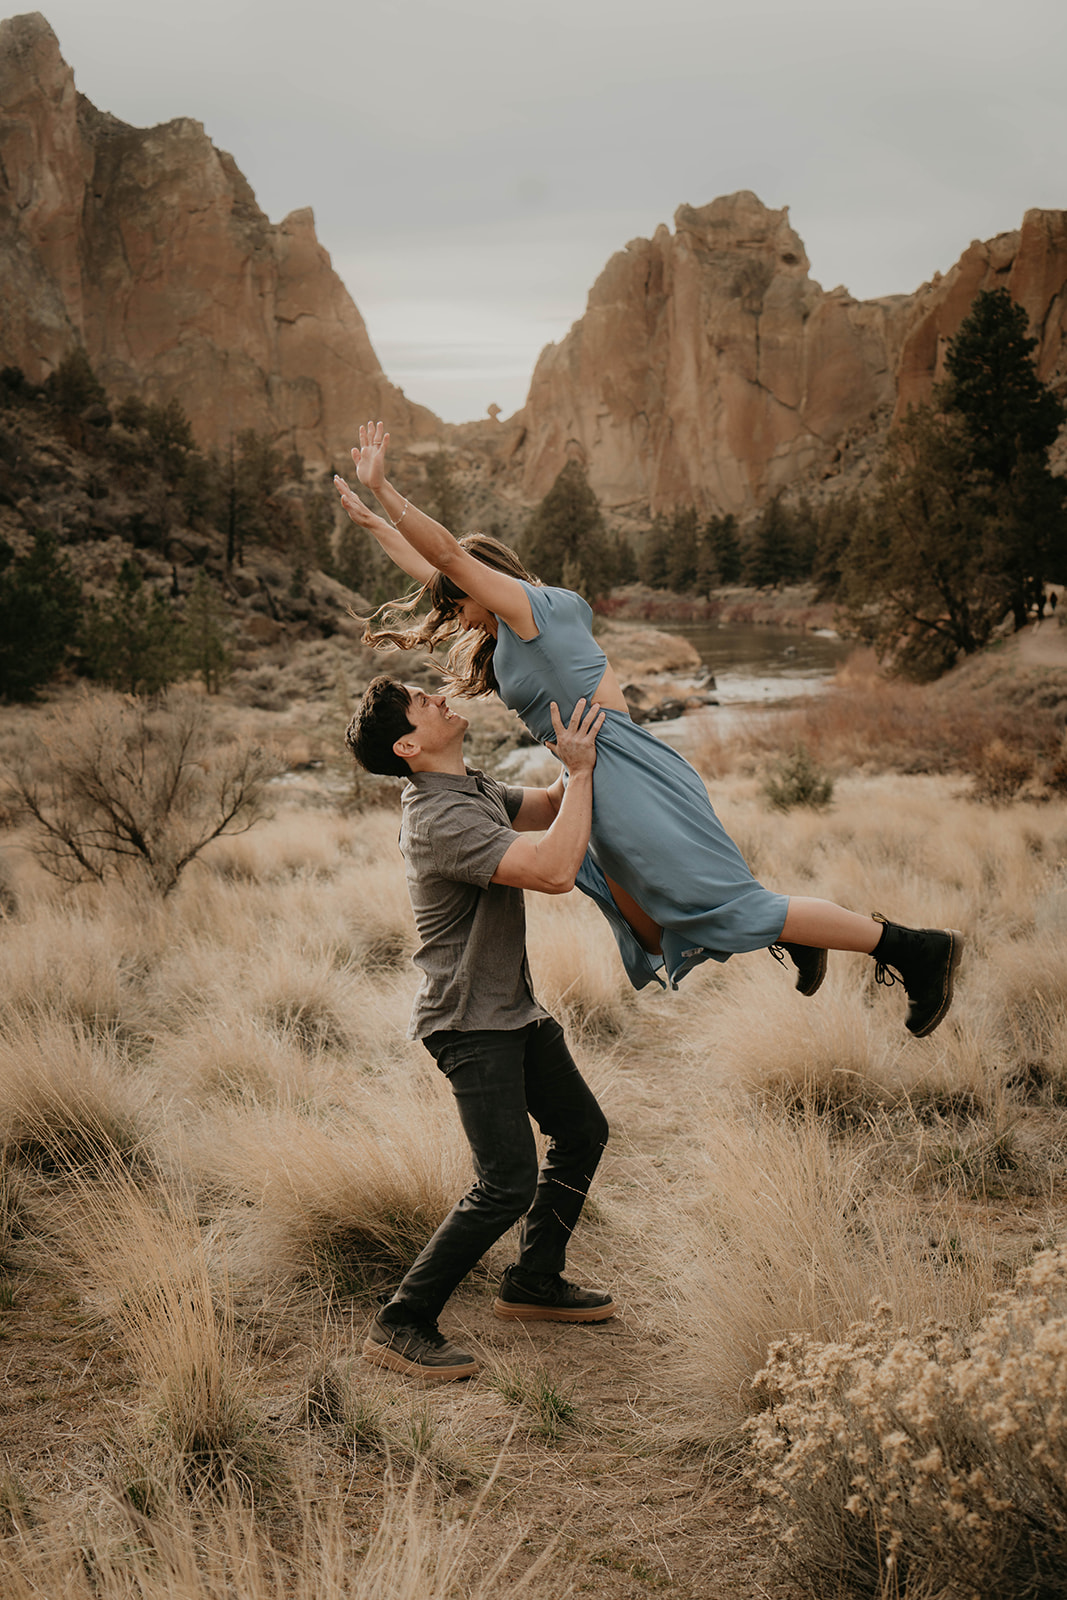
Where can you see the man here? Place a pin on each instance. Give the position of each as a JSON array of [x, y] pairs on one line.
[[468, 854]]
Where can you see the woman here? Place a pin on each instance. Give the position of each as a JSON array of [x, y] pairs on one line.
[[660, 865]]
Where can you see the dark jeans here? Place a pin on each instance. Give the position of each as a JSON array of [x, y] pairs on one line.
[[501, 1080]]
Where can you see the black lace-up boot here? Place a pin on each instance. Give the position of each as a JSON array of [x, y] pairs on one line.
[[924, 960], [809, 961]]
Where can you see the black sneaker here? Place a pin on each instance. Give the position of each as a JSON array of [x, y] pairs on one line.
[[540, 1297], [418, 1347], [809, 960]]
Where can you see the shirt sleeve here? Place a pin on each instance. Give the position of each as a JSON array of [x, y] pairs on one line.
[[469, 843]]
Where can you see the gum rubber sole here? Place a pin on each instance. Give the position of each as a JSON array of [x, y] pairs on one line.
[[521, 1313], [382, 1356], [950, 978]]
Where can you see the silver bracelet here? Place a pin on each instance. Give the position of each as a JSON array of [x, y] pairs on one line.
[[402, 515]]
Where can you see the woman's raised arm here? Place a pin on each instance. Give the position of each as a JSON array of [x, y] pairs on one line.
[[392, 542], [429, 542]]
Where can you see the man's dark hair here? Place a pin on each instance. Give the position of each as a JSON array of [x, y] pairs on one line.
[[381, 719]]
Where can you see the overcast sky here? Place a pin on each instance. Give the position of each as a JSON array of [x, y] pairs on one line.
[[472, 164]]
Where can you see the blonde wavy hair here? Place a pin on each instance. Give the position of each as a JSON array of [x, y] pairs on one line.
[[469, 664]]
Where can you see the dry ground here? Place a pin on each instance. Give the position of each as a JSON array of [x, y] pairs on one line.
[[219, 1147]]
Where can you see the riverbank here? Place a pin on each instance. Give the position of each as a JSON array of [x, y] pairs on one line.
[[793, 606]]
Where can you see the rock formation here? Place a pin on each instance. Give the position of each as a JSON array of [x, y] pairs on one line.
[[146, 246], [709, 369]]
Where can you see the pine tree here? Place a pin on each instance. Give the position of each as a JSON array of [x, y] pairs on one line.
[[40, 609], [206, 633], [1011, 420], [567, 531], [133, 641], [724, 548], [922, 578], [992, 383], [443, 498]]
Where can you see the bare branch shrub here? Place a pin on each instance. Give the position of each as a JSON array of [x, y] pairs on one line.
[[130, 785]]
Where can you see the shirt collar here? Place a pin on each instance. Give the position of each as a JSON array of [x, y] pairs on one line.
[[472, 782]]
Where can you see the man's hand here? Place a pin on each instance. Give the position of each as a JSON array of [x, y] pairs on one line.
[[575, 744], [370, 456]]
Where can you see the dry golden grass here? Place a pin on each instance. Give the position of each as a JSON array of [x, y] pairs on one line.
[[227, 1145]]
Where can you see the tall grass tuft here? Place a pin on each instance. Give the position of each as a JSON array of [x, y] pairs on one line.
[[413, 1550], [786, 1229], [346, 1202], [151, 1271], [67, 1100]]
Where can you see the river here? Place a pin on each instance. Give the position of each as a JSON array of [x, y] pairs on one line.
[[755, 665]]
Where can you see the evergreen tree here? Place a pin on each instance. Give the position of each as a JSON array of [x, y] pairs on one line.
[[443, 499], [567, 530], [206, 633], [767, 560], [1011, 420], [724, 548], [623, 561], [40, 608], [171, 435], [992, 383], [74, 385], [922, 579], [655, 557], [133, 641]]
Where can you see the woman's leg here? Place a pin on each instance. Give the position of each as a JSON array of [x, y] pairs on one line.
[[821, 923]]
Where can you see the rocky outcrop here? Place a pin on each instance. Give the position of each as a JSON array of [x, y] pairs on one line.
[[709, 368], [1030, 263], [146, 246]]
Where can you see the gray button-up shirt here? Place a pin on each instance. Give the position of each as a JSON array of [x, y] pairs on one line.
[[454, 834]]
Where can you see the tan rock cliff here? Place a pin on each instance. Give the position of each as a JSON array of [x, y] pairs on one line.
[[146, 245], [710, 369]]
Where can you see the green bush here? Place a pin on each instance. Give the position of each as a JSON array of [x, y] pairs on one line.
[[798, 780]]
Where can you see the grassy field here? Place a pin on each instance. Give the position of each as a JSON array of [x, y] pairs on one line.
[[841, 1353]]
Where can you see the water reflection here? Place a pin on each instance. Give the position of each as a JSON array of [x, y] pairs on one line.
[[755, 665]]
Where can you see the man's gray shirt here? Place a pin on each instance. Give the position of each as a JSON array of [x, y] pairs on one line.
[[454, 834]]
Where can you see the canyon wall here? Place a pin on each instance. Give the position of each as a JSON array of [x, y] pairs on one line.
[[146, 246], [710, 369]]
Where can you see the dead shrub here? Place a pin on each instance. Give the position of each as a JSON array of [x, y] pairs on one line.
[[127, 785]]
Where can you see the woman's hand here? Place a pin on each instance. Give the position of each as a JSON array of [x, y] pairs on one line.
[[370, 455], [360, 514]]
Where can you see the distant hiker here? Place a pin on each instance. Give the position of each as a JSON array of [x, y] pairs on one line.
[[464, 838], [660, 865]]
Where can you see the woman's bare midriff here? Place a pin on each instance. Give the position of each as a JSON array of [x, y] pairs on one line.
[[608, 693]]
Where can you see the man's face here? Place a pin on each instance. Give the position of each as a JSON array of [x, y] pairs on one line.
[[436, 727]]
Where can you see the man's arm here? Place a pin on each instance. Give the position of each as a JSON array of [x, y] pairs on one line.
[[539, 808], [550, 864]]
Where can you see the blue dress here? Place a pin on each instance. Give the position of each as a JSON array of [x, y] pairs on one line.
[[654, 830]]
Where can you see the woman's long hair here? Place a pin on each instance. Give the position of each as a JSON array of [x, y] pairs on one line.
[[469, 664]]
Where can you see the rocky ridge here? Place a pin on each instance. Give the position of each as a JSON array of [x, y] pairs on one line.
[[146, 246], [708, 369]]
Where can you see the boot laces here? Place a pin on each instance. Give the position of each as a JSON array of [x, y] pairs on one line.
[[778, 953]]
